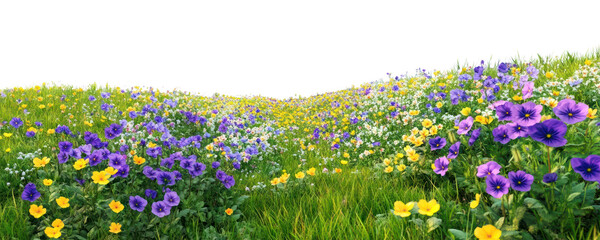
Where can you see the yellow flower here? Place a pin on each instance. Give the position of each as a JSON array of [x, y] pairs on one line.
[[591, 113], [7, 135], [284, 177], [388, 169], [151, 145], [100, 177], [229, 211], [475, 202], [517, 98], [116, 206], [552, 103], [7, 150], [52, 232], [414, 157], [57, 223], [403, 210], [275, 181], [555, 93], [111, 170], [37, 211], [588, 62], [51, 131], [300, 175], [40, 162], [115, 228], [465, 111], [80, 164], [344, 162], [549, 75], [311, 171], [138, 160], [439, 104], [427, 123], [414, 112], [387, 161], [63, 202], [401, 167], [48, 182], [337, 170], [63, 107], [488, 232], [428, 208], [545, 117], [480, 100]]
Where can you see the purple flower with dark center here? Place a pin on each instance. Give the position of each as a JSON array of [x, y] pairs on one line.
[[151, 193], [528, 90], [490, 168], [497, 185], [105, 95], [165, 178], [520, 181], [109, 134], [501, 134], [171, 198], [63, 157], [516, 131], [216, 164], [66, 147], [588, 168], [80, 181], [167, 162], [454, 150], [465, 125], [236, 165], [571, 112], [437, 143], [503, 67], [30, 134], [474, 136], [228, 182], [441, 166], [187, 164], [123, 171], [221, 175], [16, 122], [505, 112], [116, 128], [137, 203], [30, 193], [154, 152], [95, 158], [198, 169], [150, 172], [550, 132], [92, 98], [550, 177], [527, 114], [161, 209], [116, 160]]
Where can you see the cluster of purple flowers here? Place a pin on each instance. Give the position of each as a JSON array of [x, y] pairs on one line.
[[113, 131], [498, 185]]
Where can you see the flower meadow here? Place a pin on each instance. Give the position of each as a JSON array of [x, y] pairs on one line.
[[507, 150]]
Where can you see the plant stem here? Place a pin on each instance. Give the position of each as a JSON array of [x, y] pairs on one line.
[[549, 164]]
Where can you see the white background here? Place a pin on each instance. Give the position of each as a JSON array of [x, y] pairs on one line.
[[274, 48]]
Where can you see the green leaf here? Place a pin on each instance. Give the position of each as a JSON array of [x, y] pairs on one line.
[[573, 196], [533, 203], [433, 223], [458, 234], [499, 223]]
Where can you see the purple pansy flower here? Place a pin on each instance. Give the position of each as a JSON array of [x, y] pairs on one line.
[[497, 185], [527, 114], [505, 112], [137, 203], [161, 209], [516, 131], [437, 143], [488, 169], [474, 136], [501, 134], [151, 193], [550, 132], [441, 166], [571, 112], [520, 181], [30, 193], [465, 125], [588, 168], [454, 150], [171, 198], [550, 177]]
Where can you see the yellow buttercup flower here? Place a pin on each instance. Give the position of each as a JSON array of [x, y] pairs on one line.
[[115, 228], [549, 75], [229, 211], [7, 135], [344, 162], [52, 232], [517, 98], [100, 177], [48, 182], [111, 170], [388, 169], [428, 208], [80, 164], [465, 111], [337, 170], [51, 131], [401, 167], [588, 62], [37, 211], [299, 175], [475, 202], [138, 160], [63, 202], [591, 113], [40, 162], [275, 181], [427, 123], [151, 145], [414, 112], [403, 210], [545, 117], [57, 223], [487, 232], [116, 206]]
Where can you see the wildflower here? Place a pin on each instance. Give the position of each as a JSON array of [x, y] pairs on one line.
[[437, 143], [501, 134], [151, 193], [403, 210], [527, 114], [37, 211], [171, 198], [550, 177], [137, 203], [588, 168], [388, 169], [487, 232], [40, 162], [139, 160], [63, 202], [16, 122], [161, 209], [52, 232], [497, 185], [80, 164], [591, 113], [528, 90], [116, 206], [441, 166], [427, 123], [228, 211], [475, 202], [571, 112], [30, 193], [337, 170], [505, 112], [165, 178], [299, 175], [488, 169], [454, 150], [57, 223], [465, 125], [550, 132], [401, 167], [344, 162], [428, 208], [100, 177], [48, 182], [520, 181], [474, 136], [311, 171], [414, 112], [516, 131], [115, 228], [465, 111], [65, 146], [275, 181]]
